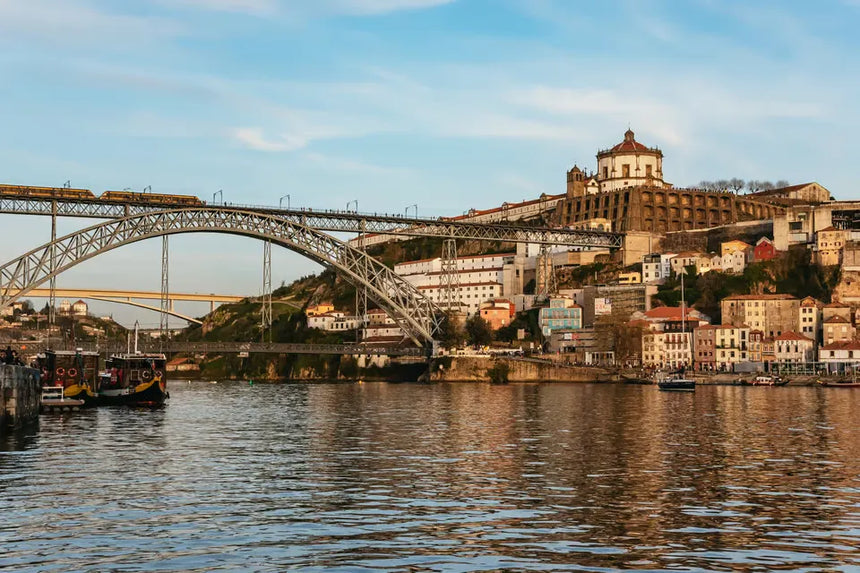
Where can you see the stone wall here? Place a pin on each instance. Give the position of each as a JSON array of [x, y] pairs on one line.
[[474, 369], [20, 394]]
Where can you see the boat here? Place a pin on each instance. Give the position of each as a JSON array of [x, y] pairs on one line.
[[766, 381], [845, 381], [841, 383], [74, 371], [134, 379], [637, 378], [676, 381]]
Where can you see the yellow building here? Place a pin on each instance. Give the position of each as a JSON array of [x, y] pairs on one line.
[[632, 278], [319, 309], [730, 247]]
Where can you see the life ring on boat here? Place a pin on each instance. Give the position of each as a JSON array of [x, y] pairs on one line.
[[146, 375], [61, 371], [159, 373], [73, 372]]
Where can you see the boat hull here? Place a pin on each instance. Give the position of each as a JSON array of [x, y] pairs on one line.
[[677, 385], [152, 393], [840, 384], [83, 393]]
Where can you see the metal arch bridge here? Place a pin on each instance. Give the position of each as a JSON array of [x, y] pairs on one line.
[[330, 220], [414, 313]]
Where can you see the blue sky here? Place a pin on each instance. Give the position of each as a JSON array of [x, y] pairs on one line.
[[450, 104]]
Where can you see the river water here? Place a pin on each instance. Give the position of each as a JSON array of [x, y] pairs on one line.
[[448, 477]]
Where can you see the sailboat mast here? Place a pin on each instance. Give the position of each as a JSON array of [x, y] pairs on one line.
[[684, 318]]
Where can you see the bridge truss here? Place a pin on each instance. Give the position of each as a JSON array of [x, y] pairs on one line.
[[334, 221], [414, 313]]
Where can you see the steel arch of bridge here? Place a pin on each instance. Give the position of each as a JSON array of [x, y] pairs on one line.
[[414, 313]]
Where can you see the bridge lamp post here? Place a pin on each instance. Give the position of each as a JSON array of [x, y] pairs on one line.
[[217, 193], [355, 202], [281, 202], [148, 188], [415, 206]]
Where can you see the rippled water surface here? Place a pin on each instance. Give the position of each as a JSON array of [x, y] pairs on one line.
[[401, 477]]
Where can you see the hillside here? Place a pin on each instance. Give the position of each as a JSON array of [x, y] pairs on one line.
[[792, 273]]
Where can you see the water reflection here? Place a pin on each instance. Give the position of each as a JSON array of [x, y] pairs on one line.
[[445, 477]]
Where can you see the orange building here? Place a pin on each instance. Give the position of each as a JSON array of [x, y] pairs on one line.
[[498, 312]]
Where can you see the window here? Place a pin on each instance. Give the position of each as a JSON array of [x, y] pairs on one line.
[[605, 172], [625, 170]]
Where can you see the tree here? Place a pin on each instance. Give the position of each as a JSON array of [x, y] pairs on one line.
[[736, 184], [450, 333], [478, 330]]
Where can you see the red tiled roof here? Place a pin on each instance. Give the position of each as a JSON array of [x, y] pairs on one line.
[[836, 305], [792, 336], [668, 312], [631, 145], [828, 229], [837, 319], [848, 345]]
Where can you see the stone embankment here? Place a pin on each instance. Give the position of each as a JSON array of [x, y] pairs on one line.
[[474, 369], [20, 394]]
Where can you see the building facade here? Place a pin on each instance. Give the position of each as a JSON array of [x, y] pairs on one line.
[[773, 314], [793, 348]]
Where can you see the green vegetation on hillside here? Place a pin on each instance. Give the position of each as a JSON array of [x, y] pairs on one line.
[[793, 273]]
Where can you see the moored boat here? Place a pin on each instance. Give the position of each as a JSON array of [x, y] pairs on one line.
[[841, 383], [848, 380], [767, 381], [676, 381], [134, 380], [75, 371]]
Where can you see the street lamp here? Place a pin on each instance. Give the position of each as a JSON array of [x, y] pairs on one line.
[[350, 203], [147, 188], [415, 206], [281, 202], [217, 193]]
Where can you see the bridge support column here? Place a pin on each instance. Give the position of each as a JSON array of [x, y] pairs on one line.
[[165, 289], [546, 280], [450, 276], [52, 298], [266, 311]]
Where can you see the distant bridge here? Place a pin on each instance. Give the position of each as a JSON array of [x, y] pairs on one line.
[[127, 296]]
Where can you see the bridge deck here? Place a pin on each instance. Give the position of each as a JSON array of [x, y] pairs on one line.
[[330, 220]]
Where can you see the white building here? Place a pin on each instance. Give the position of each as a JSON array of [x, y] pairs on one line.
[[840, 355], [657, 267], [629, 164], [480, 278], [667, 349], [80, 308], [681, 261], [381, 328], [734, 262], [334, 321], [792, 347]]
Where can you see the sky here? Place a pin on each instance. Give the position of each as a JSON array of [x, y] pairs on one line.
[[447, 104]]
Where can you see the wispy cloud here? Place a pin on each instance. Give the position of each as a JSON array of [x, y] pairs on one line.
[[253, 138], [71, 22], [305, 8]]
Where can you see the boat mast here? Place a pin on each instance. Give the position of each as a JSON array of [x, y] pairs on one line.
[[683, 318], [136, 324]]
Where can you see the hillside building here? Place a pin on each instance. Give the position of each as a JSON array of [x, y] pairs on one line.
[[773, 314]]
